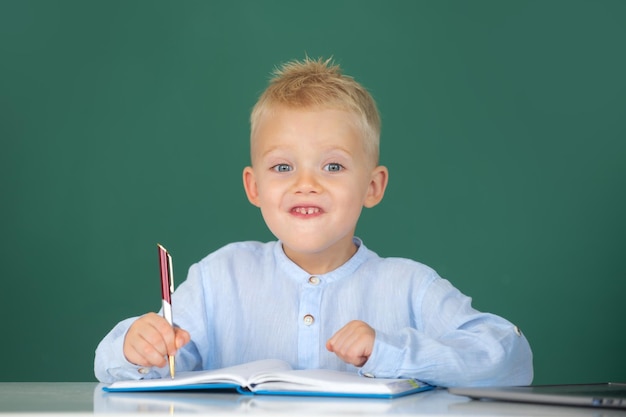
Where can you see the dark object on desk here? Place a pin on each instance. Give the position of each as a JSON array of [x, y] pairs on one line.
[[607, 395]]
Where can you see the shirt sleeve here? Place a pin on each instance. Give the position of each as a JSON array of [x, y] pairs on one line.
[[453, 345], [111, 365]]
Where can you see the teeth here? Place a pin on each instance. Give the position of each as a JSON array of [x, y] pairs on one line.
[[307, 210]]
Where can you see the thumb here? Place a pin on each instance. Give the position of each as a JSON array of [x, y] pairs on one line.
[[329, 346], [182, 337]]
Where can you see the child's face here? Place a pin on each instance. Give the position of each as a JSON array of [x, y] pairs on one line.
[[311, 176]]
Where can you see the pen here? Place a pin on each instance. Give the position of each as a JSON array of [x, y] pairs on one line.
[[167, 288]]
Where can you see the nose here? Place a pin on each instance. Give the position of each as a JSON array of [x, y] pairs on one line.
[[306, 182]]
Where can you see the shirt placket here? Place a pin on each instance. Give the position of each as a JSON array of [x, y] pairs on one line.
[[309, 343]]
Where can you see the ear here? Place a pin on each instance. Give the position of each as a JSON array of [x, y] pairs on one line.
[[377, 186], [249, 184]]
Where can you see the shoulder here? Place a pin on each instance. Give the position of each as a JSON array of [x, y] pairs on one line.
[[234, 259], [409, 275], [398, 267]]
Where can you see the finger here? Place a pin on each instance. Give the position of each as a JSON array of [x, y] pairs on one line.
[[353, 343], [346, 344], [164, 337], [143, 354], [150, 346], [182, 337], [149, 354], [329, 345], [146, 342], [342, 337]]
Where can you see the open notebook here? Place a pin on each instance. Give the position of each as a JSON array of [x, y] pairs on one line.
[[275, 377]]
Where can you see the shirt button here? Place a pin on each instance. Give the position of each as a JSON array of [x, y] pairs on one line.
[[517, 330], [308, 319], [143, 371], [314, 280]]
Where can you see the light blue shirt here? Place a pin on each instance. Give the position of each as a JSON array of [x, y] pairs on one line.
[[249, 301]]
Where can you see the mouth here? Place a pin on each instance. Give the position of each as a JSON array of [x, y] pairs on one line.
[[306, 211]]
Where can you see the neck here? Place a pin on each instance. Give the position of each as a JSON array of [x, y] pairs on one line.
[[320, 263]]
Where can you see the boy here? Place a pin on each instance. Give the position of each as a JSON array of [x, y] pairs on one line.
[[318, 298]]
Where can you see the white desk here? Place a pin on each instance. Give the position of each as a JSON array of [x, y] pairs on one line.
[[25, 399]]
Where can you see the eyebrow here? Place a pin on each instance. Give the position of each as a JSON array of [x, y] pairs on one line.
[[271, 150], [330, 149]]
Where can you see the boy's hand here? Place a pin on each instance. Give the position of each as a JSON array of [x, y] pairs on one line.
[[151, 338], [353, 343]]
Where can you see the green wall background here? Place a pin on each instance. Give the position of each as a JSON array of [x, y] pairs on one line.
[[503, 129]]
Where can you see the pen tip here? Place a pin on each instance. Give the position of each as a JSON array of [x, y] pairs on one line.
[[172, 367]]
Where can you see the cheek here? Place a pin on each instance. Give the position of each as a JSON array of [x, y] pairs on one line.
[[358, 191], [268, 195], [352, 199]]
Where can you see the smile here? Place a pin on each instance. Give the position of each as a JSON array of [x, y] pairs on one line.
[[305, 210]]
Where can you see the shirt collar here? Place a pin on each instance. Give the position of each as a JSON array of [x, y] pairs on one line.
[[293, 271]]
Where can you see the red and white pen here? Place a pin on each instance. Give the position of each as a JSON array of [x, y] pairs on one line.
[[167, 288]]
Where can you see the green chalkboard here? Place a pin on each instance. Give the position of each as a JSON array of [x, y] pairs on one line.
[[503, 129]]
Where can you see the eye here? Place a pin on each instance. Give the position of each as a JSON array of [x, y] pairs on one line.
[[281, 168], [333, 167]]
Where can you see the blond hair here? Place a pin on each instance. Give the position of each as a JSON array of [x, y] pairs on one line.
[[319, 84]]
